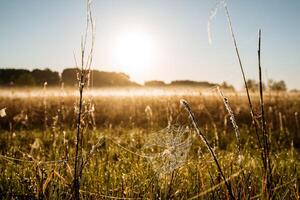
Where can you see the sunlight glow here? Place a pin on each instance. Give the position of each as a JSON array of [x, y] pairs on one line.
[[134, 52]]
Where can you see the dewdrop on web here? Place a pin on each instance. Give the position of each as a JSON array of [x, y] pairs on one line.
[[2, 112], [168, 149]]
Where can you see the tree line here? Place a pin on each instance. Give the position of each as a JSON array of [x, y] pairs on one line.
[[190, 83], [271, 85], [37, 77]]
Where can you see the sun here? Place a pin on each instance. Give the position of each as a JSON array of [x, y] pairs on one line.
[[134, 52]]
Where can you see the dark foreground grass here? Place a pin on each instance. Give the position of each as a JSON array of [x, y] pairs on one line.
[[120, 168]]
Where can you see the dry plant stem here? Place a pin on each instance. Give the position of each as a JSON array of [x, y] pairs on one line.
[[78, 139], [83, 79], [260, 143], [267, 164], [237, 133], [297, 122], [244, 77], [233, 122], [45, 106], [169, 193], [205, 141]]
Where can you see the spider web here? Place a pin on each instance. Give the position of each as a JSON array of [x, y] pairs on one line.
[[167, 150]]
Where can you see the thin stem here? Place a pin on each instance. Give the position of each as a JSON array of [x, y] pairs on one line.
[[83, 79], [263, 121], [233, 122], [244, 77], [187, 107], [76, 177]]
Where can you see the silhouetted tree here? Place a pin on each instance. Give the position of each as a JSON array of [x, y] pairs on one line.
[[69, 76], [277, 85], [253, 85], [25, 79], [46, 75], [192, 83], [98, 78], [227, 86], [8, 76], [155, 83]]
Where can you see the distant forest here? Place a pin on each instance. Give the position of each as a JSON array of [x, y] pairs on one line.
[[37, 77]]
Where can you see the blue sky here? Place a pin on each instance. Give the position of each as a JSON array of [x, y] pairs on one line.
[[45, 33]]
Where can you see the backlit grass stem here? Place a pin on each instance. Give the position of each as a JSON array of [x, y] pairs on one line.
[[244, 77], [266, 147], [187, 107], [83, 79]]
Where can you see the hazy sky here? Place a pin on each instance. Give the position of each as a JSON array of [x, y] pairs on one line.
[[159, 39]]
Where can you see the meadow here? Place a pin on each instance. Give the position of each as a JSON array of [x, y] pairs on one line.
[[142, 144], [146, 142]]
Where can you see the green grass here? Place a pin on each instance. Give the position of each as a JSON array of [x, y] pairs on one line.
[[119, 169], [120, 166]]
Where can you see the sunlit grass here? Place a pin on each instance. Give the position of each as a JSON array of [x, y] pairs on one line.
[[119, 166]]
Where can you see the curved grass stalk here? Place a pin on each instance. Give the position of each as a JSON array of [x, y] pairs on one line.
[[187, 107], [233, 122]]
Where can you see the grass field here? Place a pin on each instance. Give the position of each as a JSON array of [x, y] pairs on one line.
[[144, 142], [145, 146]]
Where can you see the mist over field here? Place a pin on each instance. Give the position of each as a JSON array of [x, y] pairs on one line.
[[156, 104]]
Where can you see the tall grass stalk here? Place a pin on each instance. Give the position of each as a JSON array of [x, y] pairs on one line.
[[83, 77], [244, 76], [297, 122], [45, 106], [238, 140], [187, 107], [263, 143], [233, 122], [266, 146]]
